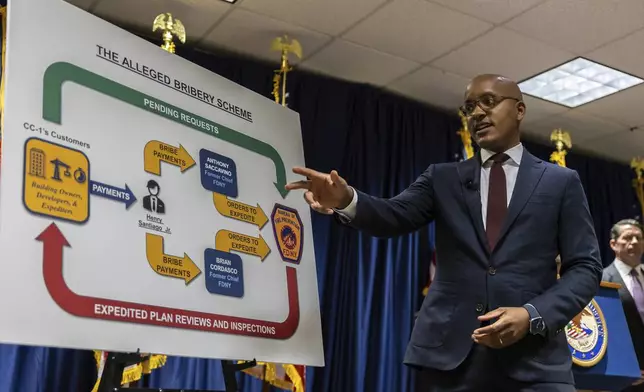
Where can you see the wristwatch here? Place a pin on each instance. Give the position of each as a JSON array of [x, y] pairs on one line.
[[537, 325]]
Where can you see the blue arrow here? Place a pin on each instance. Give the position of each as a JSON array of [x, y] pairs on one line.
[[111, 192]]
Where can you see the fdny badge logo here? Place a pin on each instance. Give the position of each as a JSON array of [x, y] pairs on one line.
[[287, 227], [587, 336]]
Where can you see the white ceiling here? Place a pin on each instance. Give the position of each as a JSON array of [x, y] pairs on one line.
[[428, 49]]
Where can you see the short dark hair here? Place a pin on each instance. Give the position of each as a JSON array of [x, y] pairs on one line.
[[616, 230]]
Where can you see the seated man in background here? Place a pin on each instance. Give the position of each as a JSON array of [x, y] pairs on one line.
[[627, 269]]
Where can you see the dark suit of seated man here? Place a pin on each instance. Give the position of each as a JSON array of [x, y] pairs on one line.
[[493, 317], [627, 269]]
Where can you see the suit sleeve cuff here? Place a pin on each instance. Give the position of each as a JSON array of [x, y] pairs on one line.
[[349, 212]]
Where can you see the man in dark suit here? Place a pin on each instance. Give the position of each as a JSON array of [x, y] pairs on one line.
[[493, 315], [627, 270]]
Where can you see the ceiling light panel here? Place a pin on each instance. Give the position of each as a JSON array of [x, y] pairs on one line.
[[578, 82]]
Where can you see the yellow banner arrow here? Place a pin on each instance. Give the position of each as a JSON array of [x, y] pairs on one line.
[[167, 265], [240, 211], [156, 152], [228, 241]]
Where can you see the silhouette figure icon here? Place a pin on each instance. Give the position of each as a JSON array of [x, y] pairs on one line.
[[152, 202]]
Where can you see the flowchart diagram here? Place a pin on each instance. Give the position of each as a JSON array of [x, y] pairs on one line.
[[58, 184], [143, 202]]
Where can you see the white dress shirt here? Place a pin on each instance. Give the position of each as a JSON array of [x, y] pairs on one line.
[[510, 167], [625, 271]]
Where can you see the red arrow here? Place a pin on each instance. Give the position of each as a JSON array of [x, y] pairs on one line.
[[106, 309]]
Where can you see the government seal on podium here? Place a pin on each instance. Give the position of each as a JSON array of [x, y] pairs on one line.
[[587, 336]]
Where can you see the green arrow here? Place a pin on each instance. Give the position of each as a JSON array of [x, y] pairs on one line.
[[61, 72]]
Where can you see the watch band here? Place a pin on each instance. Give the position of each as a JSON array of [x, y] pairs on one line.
[[537, 325]]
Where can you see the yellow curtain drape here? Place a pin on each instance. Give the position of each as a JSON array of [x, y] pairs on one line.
[[267, 372], [131, 373]]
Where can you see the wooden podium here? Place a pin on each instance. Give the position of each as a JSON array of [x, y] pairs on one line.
[[599, 366]]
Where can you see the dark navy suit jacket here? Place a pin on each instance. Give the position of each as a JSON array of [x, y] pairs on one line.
[[547, 215], [633, 319]]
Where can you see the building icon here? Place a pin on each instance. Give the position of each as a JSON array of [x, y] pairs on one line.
[[37, 162]]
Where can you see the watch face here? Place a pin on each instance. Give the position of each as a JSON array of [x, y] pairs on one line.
[[540, 325]]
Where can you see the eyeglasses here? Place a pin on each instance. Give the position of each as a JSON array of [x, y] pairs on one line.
[[486, 102]]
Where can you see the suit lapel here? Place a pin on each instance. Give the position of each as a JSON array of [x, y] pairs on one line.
[[469, 173], [530, 171]]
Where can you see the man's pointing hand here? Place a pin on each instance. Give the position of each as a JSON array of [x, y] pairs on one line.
[[322, 191]]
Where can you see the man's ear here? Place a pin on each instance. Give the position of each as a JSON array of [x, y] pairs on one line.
[[612, 245], [521, 110]]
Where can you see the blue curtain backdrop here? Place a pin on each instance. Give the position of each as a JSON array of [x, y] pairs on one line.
[[369, 289]]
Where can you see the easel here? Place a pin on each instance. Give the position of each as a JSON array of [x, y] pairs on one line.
[[116, 362]]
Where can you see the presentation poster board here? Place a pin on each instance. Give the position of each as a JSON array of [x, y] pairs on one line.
[[142, 201]]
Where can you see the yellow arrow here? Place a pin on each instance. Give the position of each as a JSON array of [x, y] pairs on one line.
[[228, 241], [240, 211], [156, 152], [167, 265]]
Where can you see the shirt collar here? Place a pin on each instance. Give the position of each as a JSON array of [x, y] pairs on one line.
[[623, 268], [515, 153]]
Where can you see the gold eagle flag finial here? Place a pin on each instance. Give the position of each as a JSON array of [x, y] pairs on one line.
[[562, 142], [171, 27], [637, 164], [281, 44], [466, 138]]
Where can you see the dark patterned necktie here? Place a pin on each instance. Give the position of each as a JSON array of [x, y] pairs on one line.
[[497, 203], [638, 291]]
